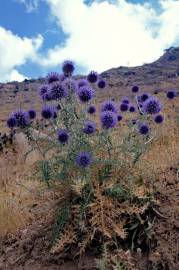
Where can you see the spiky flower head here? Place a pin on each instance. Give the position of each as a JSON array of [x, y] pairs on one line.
[[82, 82], [52, 77], [32, 114], [152, 105], [101, 84], [91, 109], [11, 122], [132, 108], [71, 85], [171, 94], [44, 92], [109, 106], [143, 128], [83, 159], [89, 127], [22, 118], [68, 67], [125, 100], [144, 97], [135, 89], [92, 77], [58, 91], [85, 94], [108, 119], [47, 112], [63, 136], [124, 107], [119, 118], [158, 119]]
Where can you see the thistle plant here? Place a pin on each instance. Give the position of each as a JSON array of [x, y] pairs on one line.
[[92, 161]]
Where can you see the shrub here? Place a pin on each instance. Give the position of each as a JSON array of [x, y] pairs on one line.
[[93, 163]]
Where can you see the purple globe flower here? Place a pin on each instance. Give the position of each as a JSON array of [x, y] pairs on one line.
[[171, 94], [143, 129], [109, 106], [58, 91], [85, 94], [22, 118], [83, 159], [52, 77], [82, 82], [124, 107], [135, 89], [47, 112], [158, 119], [108, 119], [152, 106], [119, 118], [32, 114], [92, 77], [68, 67], [132, 108], [70, 85], [101, 83], [11, 122], [125, 100], [63, 136], [144, 97], [44, 92], [89, 127], [91, 109]]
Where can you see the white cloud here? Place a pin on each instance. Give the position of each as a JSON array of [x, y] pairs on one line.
[[16, 51], [104, 35], [30, 5]]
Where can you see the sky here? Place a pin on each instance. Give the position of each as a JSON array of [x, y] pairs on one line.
[[36, 36]]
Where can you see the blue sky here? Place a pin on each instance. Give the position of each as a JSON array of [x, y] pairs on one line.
[[37, 35]]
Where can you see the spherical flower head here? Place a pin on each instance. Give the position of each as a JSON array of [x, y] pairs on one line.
[[124, 107], [82, 82], [109, 106], [135, 89], [158, 119], [132, 108], [83, 159], [58, 91], [70, 85], [85, 94], [11, 122], [144, 97], [44, 92], [101, 83], [32, 114], [91, 109], [63, 136], [171, 94], [68, 67], [22, 118], [143, 129], [108, 119], [152, 106], [125, 100], [119, 118], [89, 127], [52, 77], [92, 77], [47, 112]]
